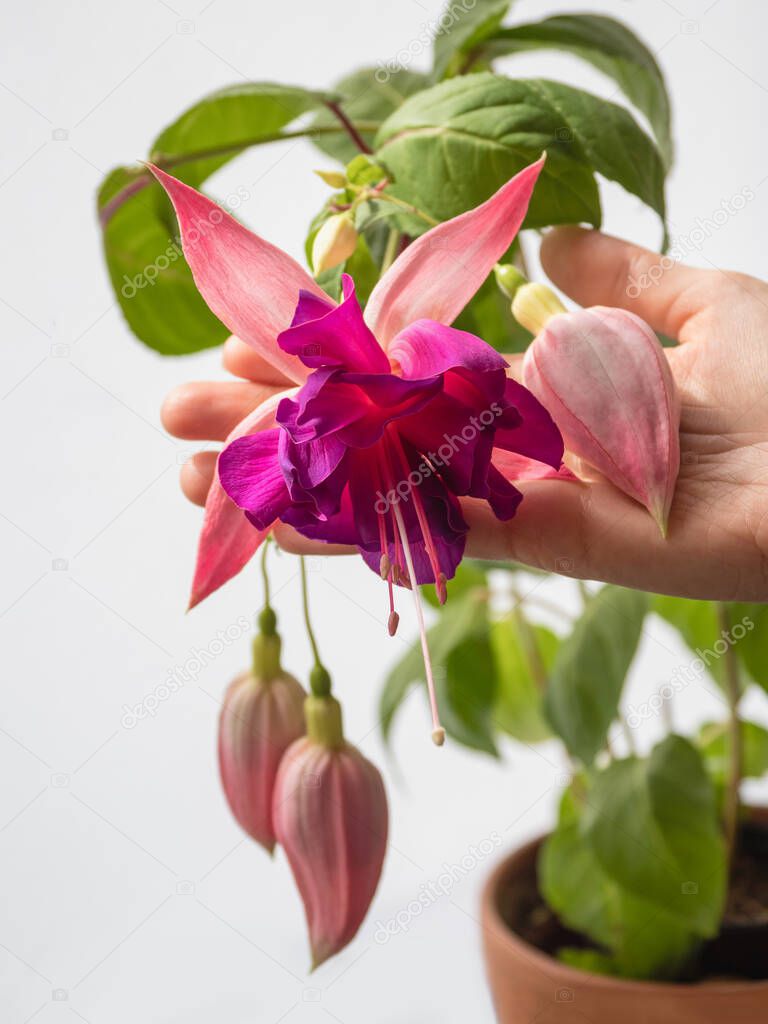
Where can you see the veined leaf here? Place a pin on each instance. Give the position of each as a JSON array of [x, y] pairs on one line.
[[523, 663], [466, 691], [460, 619], [642, 940], [460, 28], [450, 147], [148, 271], [608, 45], [590, 668], [653, 826]]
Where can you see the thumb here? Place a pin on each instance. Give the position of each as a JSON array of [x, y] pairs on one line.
[[600, 270]]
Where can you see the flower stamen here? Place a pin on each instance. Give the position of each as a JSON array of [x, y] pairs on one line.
[[438, 732]]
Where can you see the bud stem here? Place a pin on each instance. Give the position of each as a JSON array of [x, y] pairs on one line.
[[324, 725], [534, 305], [319, 678]]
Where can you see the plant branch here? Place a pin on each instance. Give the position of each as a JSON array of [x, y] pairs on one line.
[[735, 745], [168, 162], [350, 128]]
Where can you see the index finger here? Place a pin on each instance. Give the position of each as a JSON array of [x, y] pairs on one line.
[[243, 361]]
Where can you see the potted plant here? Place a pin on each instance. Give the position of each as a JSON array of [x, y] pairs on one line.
[[644, 901], [651, 879]]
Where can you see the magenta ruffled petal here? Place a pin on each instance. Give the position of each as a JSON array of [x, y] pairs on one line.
[[336, 336], [250, 473], [532, 432], [427, 348], [503, 497]]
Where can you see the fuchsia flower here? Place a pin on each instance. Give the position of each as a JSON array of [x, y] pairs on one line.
[[381, 391], [397, 414]]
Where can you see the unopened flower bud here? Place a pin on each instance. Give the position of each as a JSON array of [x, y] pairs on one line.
[[604, 378], [534, 305], [330, 813], [333, 178], [509, 279], [334, 242], [262, 714]]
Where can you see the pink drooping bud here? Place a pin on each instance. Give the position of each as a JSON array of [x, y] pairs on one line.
[[603, 376], [262, 715], [330, 815]]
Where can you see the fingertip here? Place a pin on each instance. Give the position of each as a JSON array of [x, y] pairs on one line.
[[291, 540], [196, 476], [557, 251], [175, 410], [243, 361]]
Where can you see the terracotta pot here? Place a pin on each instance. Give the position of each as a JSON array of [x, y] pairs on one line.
[[528, 985]]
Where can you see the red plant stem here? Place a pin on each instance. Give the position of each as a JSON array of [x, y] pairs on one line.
[[353, 133]]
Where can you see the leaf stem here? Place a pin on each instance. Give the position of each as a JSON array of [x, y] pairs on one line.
[[351, 129], [167, 162], [735, 751], [409, 207], [390, 252]]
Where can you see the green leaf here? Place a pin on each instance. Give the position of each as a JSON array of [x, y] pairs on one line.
[[715, 745], [466, 692], [461, 28], [588, 675], [587, 960], [609, 46], [469, 575], [367, 96], [489, 316], [751, 645], [697, 624], [523, 663], [643, 941], [150, 277], [653, 827], [451, 146], [460, 619]]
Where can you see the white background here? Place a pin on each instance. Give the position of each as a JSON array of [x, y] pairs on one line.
[[99, 824]]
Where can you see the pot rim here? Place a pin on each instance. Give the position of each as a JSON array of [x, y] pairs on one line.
[[493, 919]]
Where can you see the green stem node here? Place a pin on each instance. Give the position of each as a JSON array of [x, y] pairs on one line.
[[324, 725]]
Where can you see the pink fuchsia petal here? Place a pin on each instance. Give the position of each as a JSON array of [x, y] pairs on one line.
[[520, 467], [337, 336], [250, 285], [440, 272], [227, 540], [604, 377]]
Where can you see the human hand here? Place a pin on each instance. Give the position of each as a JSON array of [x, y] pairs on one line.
[[717, 546]]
